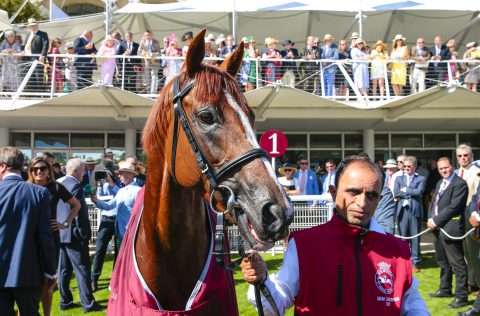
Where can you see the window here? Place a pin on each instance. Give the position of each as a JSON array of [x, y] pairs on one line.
[[20, 140], [381, 140], [354, 141], [297, 140], [439, 140], [472, 140], [326, 140], [406, 140], [88, 140], [51, 140], [320, 156], [116, 140]]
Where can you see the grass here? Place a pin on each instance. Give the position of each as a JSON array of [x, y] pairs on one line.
[[428, 277]]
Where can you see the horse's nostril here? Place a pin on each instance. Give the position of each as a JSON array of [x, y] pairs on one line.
[[272, 220]]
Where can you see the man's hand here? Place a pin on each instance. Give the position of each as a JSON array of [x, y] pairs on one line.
[[431, 224], [404, 189], [473, 221], [41, 59], [50, 284], [254, 268]]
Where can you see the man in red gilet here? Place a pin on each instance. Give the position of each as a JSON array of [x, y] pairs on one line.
[[347, 266]]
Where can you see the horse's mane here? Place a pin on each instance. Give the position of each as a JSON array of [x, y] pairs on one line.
[[209, 86]]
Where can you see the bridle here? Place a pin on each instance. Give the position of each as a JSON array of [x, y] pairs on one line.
[[215, 177]]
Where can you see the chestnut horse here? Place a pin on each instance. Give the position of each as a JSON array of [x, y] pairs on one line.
[[173, 237]]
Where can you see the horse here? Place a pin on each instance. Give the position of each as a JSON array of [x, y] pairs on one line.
[[202, 158]]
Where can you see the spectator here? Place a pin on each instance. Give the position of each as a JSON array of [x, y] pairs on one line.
[[418, 70], [343, 55], [447, 212], [41, 173], [249, 68], [360, 66], [130, 64], [452, 73], [408, 191], [472, 68], [220, 43], [106, 188], [474, 221], [307, 178], [10, 62], [187, 39], [289, 67], [149, 48], [439, 52], [378, 56], [19, 41], [390, 168], [84, 45], [140, 178], [70, 70], [57, 171], [399, 67], [74, 239], [229, 47], [329, 51], [89, 176], [308, 70], [272, 71], [106, 52], [308, 282], [210, 49], [329, 178], [379, 163], [36, 46], [288, 182], [173, 65], [124, 199], [55, 65], [353, 39], [27, 259]]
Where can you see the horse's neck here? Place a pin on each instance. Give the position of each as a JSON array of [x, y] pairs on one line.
[[173, 239]]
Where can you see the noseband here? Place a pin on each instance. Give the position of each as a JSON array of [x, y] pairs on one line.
[[214, 176]]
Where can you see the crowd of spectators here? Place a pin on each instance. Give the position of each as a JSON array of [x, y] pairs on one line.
[[148, 63]]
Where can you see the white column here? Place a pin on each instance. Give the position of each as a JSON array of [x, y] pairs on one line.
[[369, 142], [130, 142], [4, 136]]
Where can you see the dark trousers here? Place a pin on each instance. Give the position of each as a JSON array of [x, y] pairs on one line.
[[471, 248], [105, 233], [409, 225], [84, 77], [27, 299], [449, 256], [74, 257], [36, 83]]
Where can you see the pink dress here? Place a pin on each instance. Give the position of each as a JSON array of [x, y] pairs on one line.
[[58, 71], [214, 293], [108, 64]]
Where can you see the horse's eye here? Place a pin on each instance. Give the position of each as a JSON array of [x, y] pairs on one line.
[[206, 117]]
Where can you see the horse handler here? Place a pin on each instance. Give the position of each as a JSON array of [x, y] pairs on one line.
[[356, 268]]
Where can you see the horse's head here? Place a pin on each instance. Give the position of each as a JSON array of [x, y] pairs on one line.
[[221, 122]]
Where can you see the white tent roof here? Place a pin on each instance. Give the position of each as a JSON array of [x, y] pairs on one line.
[[288, 19]]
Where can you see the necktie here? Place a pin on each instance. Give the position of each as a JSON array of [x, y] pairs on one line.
[[406, 202], [439, 195], [303, 182], [28, 45], [461, 172]]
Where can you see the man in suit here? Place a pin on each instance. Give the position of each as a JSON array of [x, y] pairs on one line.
[[329, 51], [439, 52], [328, 179], [311, 52], [418, 70], [228, 49], [289, 67], [408, 191], [84, 45], [307, 179], [150, 48], [132, 65], [74, 243], [26, 242], [36, 46], [447, 212]]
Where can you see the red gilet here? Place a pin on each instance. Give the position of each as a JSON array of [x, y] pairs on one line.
[[214, 293], [346, 270]]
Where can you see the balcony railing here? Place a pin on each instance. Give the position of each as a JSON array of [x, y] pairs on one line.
[[25, 77]]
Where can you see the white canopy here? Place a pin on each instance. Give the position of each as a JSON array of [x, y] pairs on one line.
[[290, 19]]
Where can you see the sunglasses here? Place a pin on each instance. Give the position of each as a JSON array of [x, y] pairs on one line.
[[288, 170], [464, 155], [42, 169], [303, 163]]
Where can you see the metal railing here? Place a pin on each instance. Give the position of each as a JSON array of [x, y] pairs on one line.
[[23, 76], [307, 214]]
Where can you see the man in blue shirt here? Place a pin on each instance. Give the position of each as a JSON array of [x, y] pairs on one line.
[[124, 199]]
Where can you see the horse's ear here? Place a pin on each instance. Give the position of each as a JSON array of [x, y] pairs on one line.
[[195, 54], [233, 63]]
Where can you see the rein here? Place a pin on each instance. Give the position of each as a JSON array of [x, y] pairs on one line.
[[215, 177]]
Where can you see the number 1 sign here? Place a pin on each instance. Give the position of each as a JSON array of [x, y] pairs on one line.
[[274, 142]]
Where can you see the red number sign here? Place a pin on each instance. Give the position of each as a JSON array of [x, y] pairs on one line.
[[274, 142]]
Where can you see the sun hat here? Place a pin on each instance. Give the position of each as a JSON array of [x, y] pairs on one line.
[[380, 43], [355, 35], [210, 37], [32, 21], [288, 42], [126, 167], [398, 37], [471, 44], [358, 41], [270, 40], [391, 163], [109, 38], [89, 160], [69, 45], [327, 36], [287, 166], [220, 38]]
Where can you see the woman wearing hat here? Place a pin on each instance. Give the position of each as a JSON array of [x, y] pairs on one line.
[[10, 70], [70, 69], [399, 67], [378, 56], [249, 68], [107, 51], [55, 63], [472, 69], [272, 65], [360, 66], [289, 183]]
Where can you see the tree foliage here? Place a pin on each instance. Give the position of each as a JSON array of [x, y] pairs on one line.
[[29, 10]]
